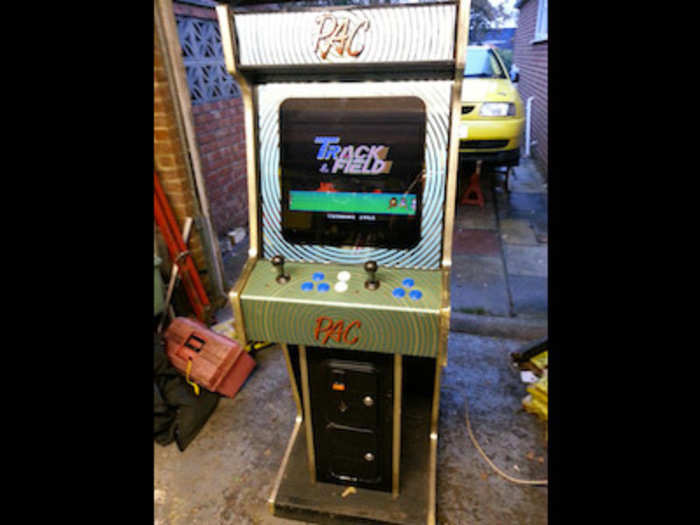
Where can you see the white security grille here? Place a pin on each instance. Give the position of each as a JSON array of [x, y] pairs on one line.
[[203, 56]]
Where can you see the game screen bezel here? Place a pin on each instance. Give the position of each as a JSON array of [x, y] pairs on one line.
[[350, 150]]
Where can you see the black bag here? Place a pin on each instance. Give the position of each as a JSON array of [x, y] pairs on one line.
[[178, 414]]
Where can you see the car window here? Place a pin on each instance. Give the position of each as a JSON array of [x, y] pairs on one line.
[[482, 63]]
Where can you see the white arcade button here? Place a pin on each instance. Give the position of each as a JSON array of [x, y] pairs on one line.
[[344, 276], [340, 286]]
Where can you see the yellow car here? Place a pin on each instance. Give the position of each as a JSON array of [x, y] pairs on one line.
[[493, 118]]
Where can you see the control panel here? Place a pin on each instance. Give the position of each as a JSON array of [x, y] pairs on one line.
[[367, 307]]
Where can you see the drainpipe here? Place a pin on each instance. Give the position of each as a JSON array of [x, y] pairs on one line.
[[528, 122]]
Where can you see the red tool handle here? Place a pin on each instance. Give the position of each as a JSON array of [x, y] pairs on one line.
[[176, 246]]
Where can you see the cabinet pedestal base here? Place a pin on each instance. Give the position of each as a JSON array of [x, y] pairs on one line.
[[299, 499]]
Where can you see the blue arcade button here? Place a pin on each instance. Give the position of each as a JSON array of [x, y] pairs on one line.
[[415, 295], [307, 286], [398, 292], [318, 276], [408, 282], [323, 287]]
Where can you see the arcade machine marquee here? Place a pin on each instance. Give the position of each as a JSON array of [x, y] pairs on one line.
[[351, 115]]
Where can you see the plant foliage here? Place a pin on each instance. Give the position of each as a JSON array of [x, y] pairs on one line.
[[484, 15]]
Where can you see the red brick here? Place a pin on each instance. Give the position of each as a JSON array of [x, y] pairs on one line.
[[176, 173], [165, 161], [194, 11], [206, 125], [218, 165], [210, 106], [214, 145], [532, 61], [163, 122], [174, 183], [163, 135]]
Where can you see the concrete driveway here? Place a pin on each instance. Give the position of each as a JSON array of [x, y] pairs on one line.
[[227, 472], [500, 250]]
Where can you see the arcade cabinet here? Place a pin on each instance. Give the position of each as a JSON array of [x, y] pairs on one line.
[[351, 126]]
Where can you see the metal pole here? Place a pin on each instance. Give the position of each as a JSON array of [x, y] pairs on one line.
[[528, 121]]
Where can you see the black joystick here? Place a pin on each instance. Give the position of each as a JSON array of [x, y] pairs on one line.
[[372, 283], [278, 262]]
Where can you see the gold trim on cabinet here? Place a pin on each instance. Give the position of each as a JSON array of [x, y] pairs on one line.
[[396, 449], [235, 298], [432, 461], [307, 412], [288, 452], [462, 41], [453, 150], [445, 311], [298, 420], [228, 41], [292, 380]]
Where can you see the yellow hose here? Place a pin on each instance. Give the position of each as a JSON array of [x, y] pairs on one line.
[[494, 467]]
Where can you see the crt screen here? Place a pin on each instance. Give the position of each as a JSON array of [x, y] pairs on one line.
[[351, 171]]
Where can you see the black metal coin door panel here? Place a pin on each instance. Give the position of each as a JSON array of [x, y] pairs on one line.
[[351, 405]]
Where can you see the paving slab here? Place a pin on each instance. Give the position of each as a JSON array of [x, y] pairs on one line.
[[540, 227], [226, 474], [476, 242], [526, 260], [522, 327], [526, 178], [521, 205], [478, 285], [517, 231], [234, 260], [529, 296], [518, 186], [536, 202], [475, 217]]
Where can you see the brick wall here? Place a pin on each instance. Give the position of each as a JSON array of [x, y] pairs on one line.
[[220, 132], [221, 138], [169, 160], [531, 59]]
